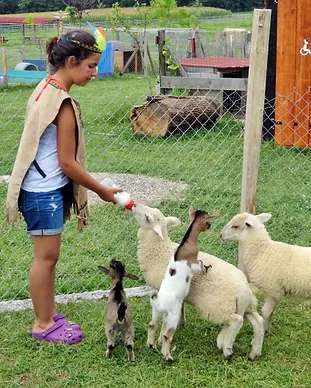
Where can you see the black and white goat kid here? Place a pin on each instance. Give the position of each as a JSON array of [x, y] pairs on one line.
[[118, 316], [167, 303]]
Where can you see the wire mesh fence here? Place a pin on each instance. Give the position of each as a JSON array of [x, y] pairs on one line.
[[27, 42], [196, 162]]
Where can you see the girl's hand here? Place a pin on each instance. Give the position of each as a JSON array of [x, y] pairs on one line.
[[107, 193]]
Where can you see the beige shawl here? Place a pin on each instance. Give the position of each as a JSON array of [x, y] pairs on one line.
[[42, 109]]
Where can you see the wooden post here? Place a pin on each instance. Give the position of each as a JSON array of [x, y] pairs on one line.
[[150, 60], [197, 42], [136, 61], [254, 107], [145, 54], [162, 66], [5, 65], [254, 113]]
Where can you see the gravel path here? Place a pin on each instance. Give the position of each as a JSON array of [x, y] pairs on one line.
[[143, 189]]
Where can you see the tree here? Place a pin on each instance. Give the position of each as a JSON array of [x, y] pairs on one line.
[[80, 7], [8, 6], [39, 5], [164, 7], [118, 20], [233, 5]]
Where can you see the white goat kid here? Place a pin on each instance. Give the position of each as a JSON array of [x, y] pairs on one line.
[[274, 268], [167, 303]]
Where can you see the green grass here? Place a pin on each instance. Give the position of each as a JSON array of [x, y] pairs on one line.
[[113, 147], [216, 25], [135, 15], [209, 160], [285, 361], [128, 11]]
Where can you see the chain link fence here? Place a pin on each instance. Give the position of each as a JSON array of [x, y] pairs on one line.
[[197, 162], [171, 151]]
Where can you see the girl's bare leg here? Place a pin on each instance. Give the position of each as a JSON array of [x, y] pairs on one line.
[[41, 279]]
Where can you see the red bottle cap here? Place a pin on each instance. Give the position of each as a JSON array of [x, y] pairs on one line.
[[129, 204]]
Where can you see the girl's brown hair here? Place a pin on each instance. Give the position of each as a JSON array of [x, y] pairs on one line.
[[80, 44]]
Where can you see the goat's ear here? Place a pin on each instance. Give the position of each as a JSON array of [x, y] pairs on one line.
[[103, 269], [158, 230], [191, 213], [213, 216], [172, 221], [264, 217], [131, 276]]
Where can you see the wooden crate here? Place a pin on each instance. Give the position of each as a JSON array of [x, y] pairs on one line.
[[121, 57]]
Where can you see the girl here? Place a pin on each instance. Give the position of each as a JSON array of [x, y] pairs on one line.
[[49, 176]]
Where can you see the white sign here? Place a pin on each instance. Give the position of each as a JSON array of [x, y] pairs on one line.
[[305, 50]]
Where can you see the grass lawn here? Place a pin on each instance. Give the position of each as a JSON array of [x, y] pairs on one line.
[[113, 147], [209, 161], [128, 11], [285, 361]]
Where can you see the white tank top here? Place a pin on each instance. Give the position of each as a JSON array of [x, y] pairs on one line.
[[45, 174]]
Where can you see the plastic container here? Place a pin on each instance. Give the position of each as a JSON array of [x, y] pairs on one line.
[[123, 198]]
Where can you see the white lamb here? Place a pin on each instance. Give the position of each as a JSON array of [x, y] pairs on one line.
[[272, 267], [222, 295]]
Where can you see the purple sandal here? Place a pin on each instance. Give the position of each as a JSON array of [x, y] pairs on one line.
[[59, 317], [60, 332]]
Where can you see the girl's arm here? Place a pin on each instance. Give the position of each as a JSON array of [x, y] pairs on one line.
[[66, 146]]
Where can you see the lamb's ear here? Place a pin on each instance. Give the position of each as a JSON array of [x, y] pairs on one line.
[[103, 269], [191, 213], [131, 276], [172, 221], [264, 217], [157, 230]]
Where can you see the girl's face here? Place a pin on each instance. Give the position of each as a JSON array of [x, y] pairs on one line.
[[85, 70]]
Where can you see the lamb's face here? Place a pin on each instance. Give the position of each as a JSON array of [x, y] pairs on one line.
[[146, 216], [149, 218], [243, 225], [152, 219]]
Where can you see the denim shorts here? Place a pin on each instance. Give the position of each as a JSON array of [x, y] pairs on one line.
[[44, 212]]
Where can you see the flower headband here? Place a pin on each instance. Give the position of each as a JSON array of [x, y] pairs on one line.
[[94, 48], [99, 35]]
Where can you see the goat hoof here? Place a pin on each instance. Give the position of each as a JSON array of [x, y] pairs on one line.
[[168, 358], [108, 354], [253, 356], [150, 345], [220, 345], [227, 352]]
